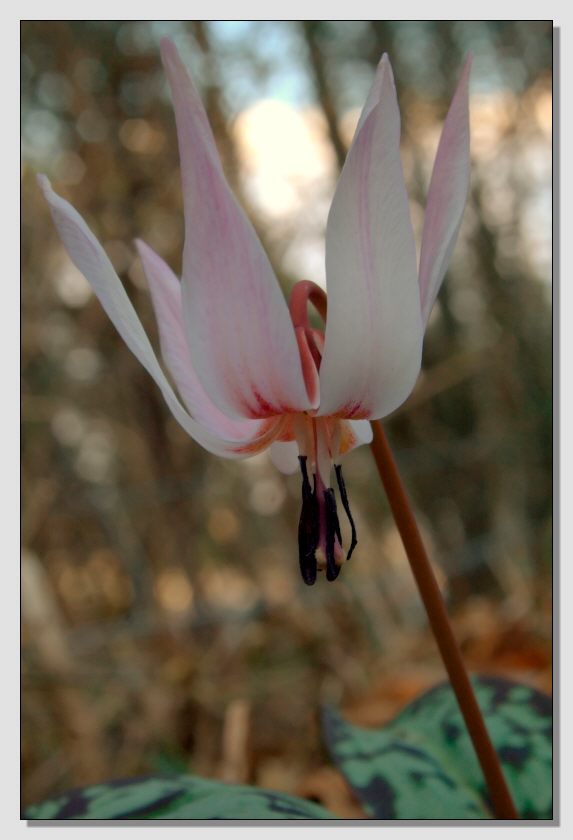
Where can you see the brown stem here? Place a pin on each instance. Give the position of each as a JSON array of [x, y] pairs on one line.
[[500, 795]]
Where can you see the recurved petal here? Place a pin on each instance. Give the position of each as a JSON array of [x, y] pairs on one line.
[[240, 335], [374, 330], [447, 195], [89, 257], [165, 291]]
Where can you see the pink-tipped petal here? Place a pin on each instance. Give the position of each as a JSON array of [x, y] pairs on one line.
[[239, 331], [165, 291], [374, 332], [447, 195], [89, 257]]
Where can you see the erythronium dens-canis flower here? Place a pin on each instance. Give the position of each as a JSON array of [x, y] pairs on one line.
[[251, 372]]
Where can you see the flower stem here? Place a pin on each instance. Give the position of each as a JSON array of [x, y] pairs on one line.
[[503, 805]]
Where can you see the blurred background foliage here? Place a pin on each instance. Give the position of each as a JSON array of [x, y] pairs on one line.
[[165, 625]]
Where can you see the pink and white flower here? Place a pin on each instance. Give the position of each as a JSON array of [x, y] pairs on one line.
[[251, 372]]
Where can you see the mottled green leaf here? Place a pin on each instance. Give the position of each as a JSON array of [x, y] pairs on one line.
[[422, 765], [178, 798]]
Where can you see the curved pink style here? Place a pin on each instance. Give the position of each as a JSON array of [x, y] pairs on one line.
[[251, 373]]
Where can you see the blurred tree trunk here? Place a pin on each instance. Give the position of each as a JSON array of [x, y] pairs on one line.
[[311, 32]]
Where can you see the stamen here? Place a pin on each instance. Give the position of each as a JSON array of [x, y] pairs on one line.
[[319, 534], [332, 532], [346, 506], [308, 530]]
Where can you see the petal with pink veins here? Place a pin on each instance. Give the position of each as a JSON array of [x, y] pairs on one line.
[[447, 195], [89, 257], [240, 335], [374, 332], [165, 291]]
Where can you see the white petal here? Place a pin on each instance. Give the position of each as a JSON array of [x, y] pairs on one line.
[[362, 431], [89, 257], [240, 335], [348, 435], [374, 330], [166, 296], [284, 455], [447, 195]]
